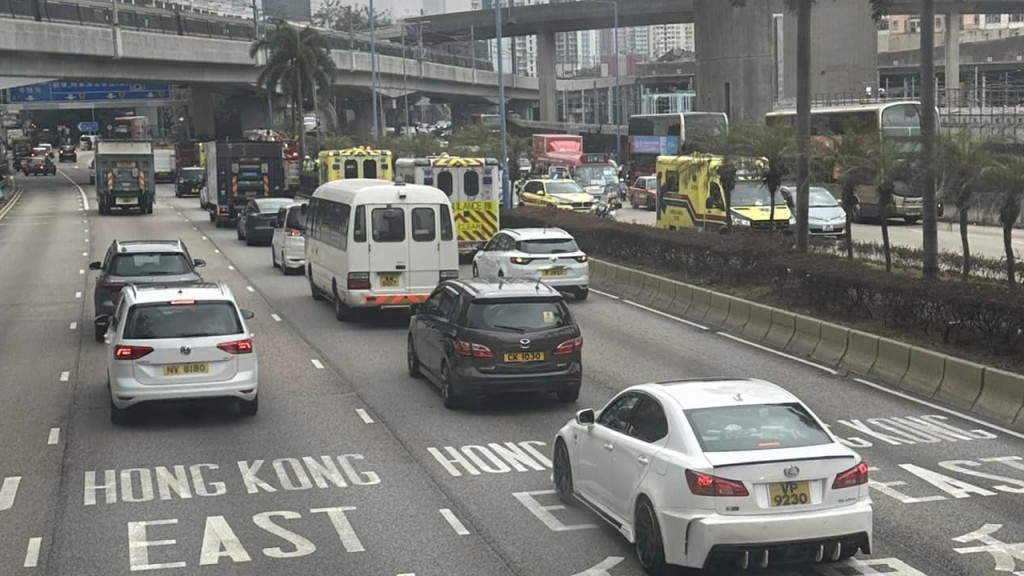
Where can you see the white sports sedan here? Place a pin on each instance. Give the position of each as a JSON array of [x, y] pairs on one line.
[[716, 474]]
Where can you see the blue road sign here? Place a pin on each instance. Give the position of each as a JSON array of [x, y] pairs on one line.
[[88, 126], [90, 91]]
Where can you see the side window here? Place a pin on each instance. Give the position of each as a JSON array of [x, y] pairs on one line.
[[672, 182], [423, 225], [369, 168], [118, 313], [639, 183], [532, 187], [446, 223], [717, 199], [313, 219], [439, 301], [108, 258], [455, 316], [281, 217], [359, 226], [471, 183], [648, 422], [388, 224], [446, 183], [444, 305], [616, 415]]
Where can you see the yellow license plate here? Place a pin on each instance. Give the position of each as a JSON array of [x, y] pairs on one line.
[[554, 272], [789, 493], [389, 280], [186, 369], [516, 357]]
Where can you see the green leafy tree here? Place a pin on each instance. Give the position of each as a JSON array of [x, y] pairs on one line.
[[344, 17], [1006, 174], [882, 162], [843, 156], [298, 63], [771, 143], [964, 159]]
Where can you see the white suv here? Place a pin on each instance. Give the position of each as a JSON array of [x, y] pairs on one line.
[[548, 254], [179, 342]]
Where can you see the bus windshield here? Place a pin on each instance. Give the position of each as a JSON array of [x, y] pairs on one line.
[[754, 193], [595, 174]]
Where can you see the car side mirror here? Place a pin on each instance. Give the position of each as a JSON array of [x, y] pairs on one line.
[[585, 417], [95, 265], [102, 320], [247, 314], [199, 262]]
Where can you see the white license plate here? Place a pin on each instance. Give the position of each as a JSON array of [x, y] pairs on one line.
[[827, 228], [126, 201]]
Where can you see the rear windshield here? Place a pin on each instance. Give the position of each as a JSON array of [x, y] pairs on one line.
[[519, 315], [165, 320], [757, 427], [296, 219], [150, 264], [193, 175], [273, 205], [548, 246]]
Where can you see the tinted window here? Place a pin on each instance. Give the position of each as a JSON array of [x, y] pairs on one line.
[[820, 198], [192, 175], [616, 415], [519, 316], [296, 219], [446, 224], [359, 226], [423, 225], [446, 182], [388, 224], [369, 168], [351, 169], [533, 187], [471, 183], [151, 321], [150, 264], [757, 427], [548, 246], [269, 206], [648, 421]]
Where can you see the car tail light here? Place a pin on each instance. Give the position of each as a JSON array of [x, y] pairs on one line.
[[475, 350], [853, 477], [222, 209], [569, 346], [237, 346], [113, 287], [122, 352], [358, 280], [449, 275], [520, 260], [581, 259], [707, 485], [294, 232]]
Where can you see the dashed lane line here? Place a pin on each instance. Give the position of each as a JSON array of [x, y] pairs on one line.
[[85, 253], [73, 326], [454, 522], [250, 289], [230, 267], [54, 436], [665, 315], [65, 376], [605, 294], [364, 416], [8, 490], [81, 271], [78, 294], [32, 552], [81, 192], [317, 364], [275, 317], [204, 238], [779, 353]]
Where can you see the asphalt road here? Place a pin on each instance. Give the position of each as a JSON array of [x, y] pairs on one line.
[[420, 490], [984, 240]]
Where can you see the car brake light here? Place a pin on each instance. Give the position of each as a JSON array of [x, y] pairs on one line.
[[520, 260], [122, 352], [294, 232], [182, 302], [569, 346], [237, 346], [113, 287], [707, 485], [358, 280], [475, 350], [853, 477], [582, 258]]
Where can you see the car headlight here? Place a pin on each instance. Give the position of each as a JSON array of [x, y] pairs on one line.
[[740, 221]]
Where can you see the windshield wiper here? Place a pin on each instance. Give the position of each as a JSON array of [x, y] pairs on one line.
[[196, 335], [511, 328]]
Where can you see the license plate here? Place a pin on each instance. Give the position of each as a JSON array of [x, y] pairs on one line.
[[789, 493], [827, 228], [389, 280], [126, 201], [519, 357], [554, 272], [186, 369]]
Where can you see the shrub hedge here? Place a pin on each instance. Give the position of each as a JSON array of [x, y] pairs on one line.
[[987, 316]]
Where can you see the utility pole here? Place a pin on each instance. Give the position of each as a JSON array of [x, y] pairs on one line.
[[373, 71], [505, 195], [405, 81]]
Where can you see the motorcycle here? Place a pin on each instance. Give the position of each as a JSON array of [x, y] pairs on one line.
[[605, 211]]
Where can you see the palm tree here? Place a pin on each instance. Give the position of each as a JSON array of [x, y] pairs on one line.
[[771, 143], [881, 160], [964, 159], [299, 62], [841, 157], [1006, 174]]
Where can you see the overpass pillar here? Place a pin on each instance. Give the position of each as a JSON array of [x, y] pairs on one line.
[[952, 69], [201, 111], [546, 57]]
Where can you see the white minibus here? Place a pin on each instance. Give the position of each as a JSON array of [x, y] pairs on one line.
[[378, 244]]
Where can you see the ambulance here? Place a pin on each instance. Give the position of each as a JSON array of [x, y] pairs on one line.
[[472, 184], [357, 162]]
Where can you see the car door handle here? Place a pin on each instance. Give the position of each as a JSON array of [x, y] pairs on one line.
[[400, 267], [608, 446], [643, 460]]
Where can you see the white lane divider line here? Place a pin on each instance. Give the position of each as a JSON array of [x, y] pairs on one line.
[[86, 230], [317, 364], [78, 294], [196, 229], [204, 238], [8, 491], [250, 288], [230, 267], [65, 376], [87, 240], [81, 192], [54, 436], [605, 294], [275, 317], [779, 353], [454, 522], [216, 251], [665, 315], [32, 553], [940, 408], [73, 326], [366, 417], [85, 253], [81, 271]]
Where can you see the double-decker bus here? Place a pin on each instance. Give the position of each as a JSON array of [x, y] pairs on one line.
[[653, 135], [896, 120]]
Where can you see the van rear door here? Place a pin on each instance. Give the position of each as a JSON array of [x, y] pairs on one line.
[[389, 248], [424, 248]]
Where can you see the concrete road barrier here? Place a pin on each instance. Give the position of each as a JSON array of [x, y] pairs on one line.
[[759, 324], [1002, 395], [924, 372], [861, 353], [699, 303], [832, 344], [666, 293], [598, 272], [806, 333], [739, 314], [635, 285], [718, 310], [892, 363], [650, 290], [961, 383], [682, 300], [617, 280], [782, 329]]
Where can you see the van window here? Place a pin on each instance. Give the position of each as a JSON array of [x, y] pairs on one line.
[[351, 169], [471, 183], [388, 224], [359, 226], [446, 183], [424, 228], [334, 226], [446, 223], [313, 219], [369, 168]]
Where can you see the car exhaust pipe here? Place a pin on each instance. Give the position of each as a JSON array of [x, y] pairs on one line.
[[837, 552], [821, 553], [745, 560], [764, 560]]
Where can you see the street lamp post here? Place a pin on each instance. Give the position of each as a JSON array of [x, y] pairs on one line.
[[373, 70], [506, 196], [617, 104]]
